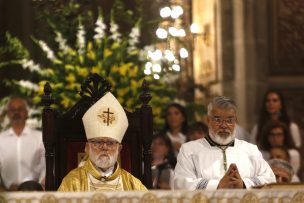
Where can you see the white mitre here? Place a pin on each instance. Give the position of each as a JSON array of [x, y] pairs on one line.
[[106, 118]]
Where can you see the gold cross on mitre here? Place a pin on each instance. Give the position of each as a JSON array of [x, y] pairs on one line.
[[107, 117]]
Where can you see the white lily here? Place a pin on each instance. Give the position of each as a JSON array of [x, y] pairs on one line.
[[133, 39], [81, 39], [30, 64], [99, 29], [29, 85], [115, 35], [49, 53], [62, 43], [134, 36]]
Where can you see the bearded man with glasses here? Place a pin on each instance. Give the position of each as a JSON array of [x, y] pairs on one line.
[[105, 124], [220, 160]]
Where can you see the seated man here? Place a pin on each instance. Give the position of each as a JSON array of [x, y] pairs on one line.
[[220, 160], [105, 124]]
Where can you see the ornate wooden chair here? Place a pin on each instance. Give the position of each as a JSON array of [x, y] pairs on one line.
[[64, 136]]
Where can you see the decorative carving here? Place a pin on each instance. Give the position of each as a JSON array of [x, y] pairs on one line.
[[47, 97], [92, 90], [229, 196], [145, 95], [48, 134], [150, 198], [298, 198], [287, 37], [95, 87], [250, 198], [99, 198], [147, 123], [290, 28], [199, 198], [48, 198], [2, 199]]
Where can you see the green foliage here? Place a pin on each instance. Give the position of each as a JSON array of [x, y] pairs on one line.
[[15, 47]]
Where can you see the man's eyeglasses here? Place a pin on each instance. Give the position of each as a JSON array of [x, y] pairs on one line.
[[218, 120], [100, 143]]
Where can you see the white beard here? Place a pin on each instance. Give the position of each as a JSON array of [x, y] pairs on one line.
[[220, 139], [103, 160]]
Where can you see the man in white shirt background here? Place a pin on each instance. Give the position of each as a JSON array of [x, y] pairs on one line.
[[22, 153], [220, 160]]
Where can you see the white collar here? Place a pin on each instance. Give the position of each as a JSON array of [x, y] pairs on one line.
[[108, 172], [25, 131]]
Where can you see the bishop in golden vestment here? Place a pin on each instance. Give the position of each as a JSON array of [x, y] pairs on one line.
[[105, 124]]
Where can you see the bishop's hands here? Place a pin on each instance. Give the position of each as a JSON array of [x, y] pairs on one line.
[[231, 179]]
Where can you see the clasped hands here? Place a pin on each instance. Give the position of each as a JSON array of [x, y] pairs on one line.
[[231, 179]]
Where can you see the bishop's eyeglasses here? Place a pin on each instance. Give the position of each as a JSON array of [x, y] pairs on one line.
[[99, 143], [219, 121]]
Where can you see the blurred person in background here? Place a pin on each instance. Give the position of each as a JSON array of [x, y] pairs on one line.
[[176, 125], [197, 131], [279, 152], [30, 186], [282, 170], [276, 134], [22, 153], [163, 162], [274, 108]]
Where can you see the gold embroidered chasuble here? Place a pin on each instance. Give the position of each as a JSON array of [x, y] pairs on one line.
[[88, 178]]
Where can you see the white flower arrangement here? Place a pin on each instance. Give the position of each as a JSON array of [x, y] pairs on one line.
[[102, 50]]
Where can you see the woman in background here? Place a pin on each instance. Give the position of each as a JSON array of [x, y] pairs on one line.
[[274, 109], [176, 125], [276, 134]]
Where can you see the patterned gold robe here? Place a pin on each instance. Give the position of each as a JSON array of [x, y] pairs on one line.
[[85, 178]]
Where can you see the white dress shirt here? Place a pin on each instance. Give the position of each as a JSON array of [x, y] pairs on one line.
[[22, 157], [200, 165]]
